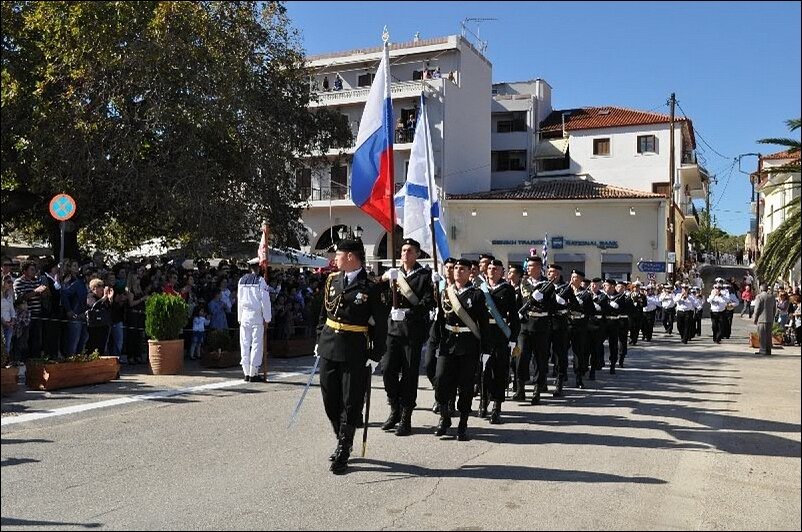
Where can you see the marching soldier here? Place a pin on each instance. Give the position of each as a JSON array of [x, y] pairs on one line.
[[346, 341], [504, 328], [718, 304], [460, 332], [563, 299], [447, 279], [580, 310], [638, 298], [484, 261], [407, 329], [537, 299], [612, 317], [652, 304], [730, 311], [669, 307], [597, 326], [685, 309], [699, 303], [625, 312]]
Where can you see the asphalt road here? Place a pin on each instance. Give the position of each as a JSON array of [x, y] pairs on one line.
[[684, 437]]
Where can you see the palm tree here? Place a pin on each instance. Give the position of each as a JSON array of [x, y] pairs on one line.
[[782, 249]]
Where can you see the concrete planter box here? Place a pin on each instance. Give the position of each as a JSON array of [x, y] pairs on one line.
[[53, 376]]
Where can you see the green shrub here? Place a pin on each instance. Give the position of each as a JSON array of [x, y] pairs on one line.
[[777, 329], [165, 317], [217, 339]]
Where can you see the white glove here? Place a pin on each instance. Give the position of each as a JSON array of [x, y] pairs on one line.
[[372, 364], [436, 277], [393, 273], [597, 307], [485, 358], [521, 316], [538, 295], [316, 351], [560, 300], [613, 304], [397, 314]]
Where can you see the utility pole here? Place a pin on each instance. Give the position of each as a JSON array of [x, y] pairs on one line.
[[670, 245], [709, 214]]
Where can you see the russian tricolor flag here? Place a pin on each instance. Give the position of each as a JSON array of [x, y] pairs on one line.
[[372, 167]]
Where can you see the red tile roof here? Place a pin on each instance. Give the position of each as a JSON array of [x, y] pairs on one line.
[[787, 154], [560, 189], [603, 117]]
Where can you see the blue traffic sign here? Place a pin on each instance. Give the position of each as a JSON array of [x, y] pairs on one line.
[[652, 267]]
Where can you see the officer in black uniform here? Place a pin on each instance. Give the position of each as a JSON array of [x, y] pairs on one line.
[[346, 340], [638, 299], [563, 299], [407, 331], [460, 332], [446, 279], [580, 309], [612, 317], [496, 370], [536, 296], [625, 313], [597, 326]]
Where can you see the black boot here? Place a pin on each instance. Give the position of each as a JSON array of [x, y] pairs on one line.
[[452, 407], [483, 408], [436, 408], [445, 420], [405, 426], [592, 374], [520, 391], [495, 415], [536, 397], [393, 418], [340, 463], [579, 383], [621, 362], [462, 428], [558, 391], [612, 369]]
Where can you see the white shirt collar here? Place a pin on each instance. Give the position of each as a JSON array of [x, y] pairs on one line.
[[350, 276]]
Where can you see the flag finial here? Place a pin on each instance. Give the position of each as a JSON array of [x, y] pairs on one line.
[[385, 35]]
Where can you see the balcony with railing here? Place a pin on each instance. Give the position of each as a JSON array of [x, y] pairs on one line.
[[399, 89], [334, 192], [691, 220], [693, 175]]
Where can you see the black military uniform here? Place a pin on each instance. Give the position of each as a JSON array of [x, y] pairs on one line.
[[535, 337], [406, 334], [459, 349], [563, 299], [580, 309], [636, 319], [496, 371], [613, 320], [346, 340], [597, 326], [626, 308]]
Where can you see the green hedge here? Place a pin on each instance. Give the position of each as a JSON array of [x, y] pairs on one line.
[[165, 317]]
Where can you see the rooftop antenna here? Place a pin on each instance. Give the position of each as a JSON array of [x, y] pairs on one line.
[[480, 44]]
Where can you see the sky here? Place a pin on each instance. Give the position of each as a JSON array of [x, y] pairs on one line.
[[734, 66]]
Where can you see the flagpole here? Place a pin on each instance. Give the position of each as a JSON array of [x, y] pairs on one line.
[[266, 265], [429, 166], [388, 126]]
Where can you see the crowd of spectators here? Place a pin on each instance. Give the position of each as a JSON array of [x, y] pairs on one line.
[[56, 312]]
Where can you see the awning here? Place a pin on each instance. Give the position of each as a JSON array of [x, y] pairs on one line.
[[551, 149], [617, 257]]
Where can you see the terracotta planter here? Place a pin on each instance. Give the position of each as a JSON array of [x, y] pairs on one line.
[[53, 376], [220, 359], [754, 340], [777, 340], [8, 380], [167, 357]]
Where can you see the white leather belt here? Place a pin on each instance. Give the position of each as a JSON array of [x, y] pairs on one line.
[[538, 314], [491, 321], [455, 329], [562, 312], [577, 315]]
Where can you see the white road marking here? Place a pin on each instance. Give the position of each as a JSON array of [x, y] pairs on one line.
[[13, 420]]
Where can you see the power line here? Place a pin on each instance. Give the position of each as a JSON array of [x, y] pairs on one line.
[[727, 182], [699, 134]]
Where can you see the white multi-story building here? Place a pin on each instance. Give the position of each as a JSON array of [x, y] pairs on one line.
[[456, 80], [777, 191]]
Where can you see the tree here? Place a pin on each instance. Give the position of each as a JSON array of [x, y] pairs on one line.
[[782, 250], [183, 120]]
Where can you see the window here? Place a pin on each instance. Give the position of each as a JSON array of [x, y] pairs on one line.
[[365, 80], [303, 180], [660, 188], [551, 165], [647, 144], [601, 146], [339, 182], [509, 160], [511, 123]]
